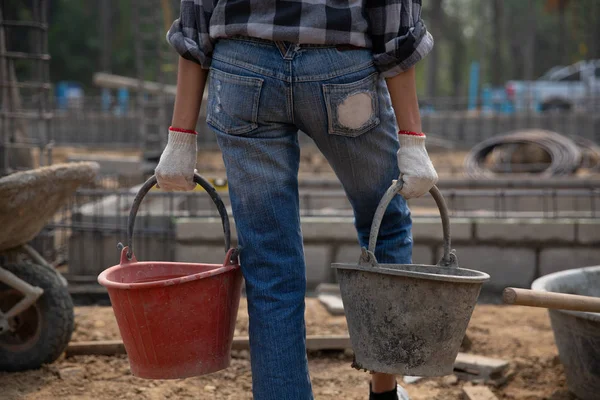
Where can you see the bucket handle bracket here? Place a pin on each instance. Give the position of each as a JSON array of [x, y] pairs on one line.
[[451, 262], [125, 257], [367, 258]]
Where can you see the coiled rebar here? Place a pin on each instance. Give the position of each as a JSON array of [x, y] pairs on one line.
[[565, 155]]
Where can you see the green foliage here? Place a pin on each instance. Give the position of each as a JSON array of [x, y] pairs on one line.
[[73, 40], [467, 34], [529, 39]]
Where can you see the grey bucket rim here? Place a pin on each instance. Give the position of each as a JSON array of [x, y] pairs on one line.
[[541, 283], [478, 278]]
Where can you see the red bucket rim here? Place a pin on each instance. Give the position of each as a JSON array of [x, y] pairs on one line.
[[104, 281], [228, 265]]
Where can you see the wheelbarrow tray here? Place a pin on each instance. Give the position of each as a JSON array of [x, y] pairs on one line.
[[576, 333], [29, 199]]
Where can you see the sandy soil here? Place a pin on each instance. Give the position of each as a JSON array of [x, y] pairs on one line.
[[520, 335], [311, 160]]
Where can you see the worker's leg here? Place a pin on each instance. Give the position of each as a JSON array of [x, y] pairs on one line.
[[355, 128], [261, 153]]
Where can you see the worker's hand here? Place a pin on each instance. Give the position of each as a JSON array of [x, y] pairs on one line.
[[175, 170], [416, 170]]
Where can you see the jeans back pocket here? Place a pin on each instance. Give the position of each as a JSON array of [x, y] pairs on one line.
[[352, 108], [233, 102]]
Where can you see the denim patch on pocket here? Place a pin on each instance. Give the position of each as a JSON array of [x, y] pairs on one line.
[[352, 108]]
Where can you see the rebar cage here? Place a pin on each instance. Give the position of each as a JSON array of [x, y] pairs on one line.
[[25, 89]]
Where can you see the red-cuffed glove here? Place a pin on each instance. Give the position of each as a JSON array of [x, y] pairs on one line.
[[175, 170], [416, 170]]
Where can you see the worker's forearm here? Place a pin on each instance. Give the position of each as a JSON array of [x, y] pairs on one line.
[[403, 92], [191, 79]]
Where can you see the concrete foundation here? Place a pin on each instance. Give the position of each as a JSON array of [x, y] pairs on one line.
[[509, 250], [513, 251]]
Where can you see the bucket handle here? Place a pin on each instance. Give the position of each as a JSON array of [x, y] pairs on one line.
[[212, 192], [449, 257]]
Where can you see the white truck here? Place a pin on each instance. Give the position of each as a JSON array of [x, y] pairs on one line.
[[572, 88]]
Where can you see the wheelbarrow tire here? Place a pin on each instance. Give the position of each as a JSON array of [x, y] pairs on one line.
[[55, 319]]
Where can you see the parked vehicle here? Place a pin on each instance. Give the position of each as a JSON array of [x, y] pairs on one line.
[[574, 87]]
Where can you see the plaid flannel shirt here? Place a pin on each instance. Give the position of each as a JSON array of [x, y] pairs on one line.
[[392, 29]]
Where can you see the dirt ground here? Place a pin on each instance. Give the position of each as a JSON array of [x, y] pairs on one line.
[[311, 160], [518, 334]]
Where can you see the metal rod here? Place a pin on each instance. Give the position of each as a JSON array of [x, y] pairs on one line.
[[151, 182], [5, 101], [24, 56], [25, 24], [30, 293], [502, 183], [385, 201], [27, 114], [26, 85]]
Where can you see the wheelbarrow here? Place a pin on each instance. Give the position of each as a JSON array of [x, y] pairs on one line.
[[408, 319], [572, 298], [36, 311]]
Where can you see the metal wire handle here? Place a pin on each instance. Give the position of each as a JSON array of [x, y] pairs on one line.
[[449, 258], [151, 182]]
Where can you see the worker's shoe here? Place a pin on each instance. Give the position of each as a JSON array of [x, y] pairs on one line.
[[397, 394]]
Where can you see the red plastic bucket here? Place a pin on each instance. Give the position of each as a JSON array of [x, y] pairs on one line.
[[176, 319]]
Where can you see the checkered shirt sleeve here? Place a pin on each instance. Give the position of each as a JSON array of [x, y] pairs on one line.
[[398, 35], [189, 34], [392, 29]]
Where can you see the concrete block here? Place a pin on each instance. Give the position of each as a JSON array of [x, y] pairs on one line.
[[328, 288], [202, 229], [331, 229], [535, 230], [111, 164], [349, 254], [430, 229], [333, 303], [211, 254], [588, 231], [422, 254], [336, 229], [92, 252], [507, 266], [562, 258], [489, 202], [318, 265], [316, 202]]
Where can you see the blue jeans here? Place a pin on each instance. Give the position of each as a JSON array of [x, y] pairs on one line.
[[260, 95]]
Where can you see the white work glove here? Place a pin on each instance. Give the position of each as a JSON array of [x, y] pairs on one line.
[[176, 168], [416, 170]]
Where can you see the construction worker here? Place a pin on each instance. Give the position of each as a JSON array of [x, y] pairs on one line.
[[340, 71]]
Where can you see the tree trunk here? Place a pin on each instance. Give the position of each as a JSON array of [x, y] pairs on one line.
[[497, 67], [562, 33], [529, 56], [105, 20], [435, 26], [595, 30]]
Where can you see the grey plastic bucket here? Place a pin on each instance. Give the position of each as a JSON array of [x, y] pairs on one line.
[[408, 319], [576, 333]]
